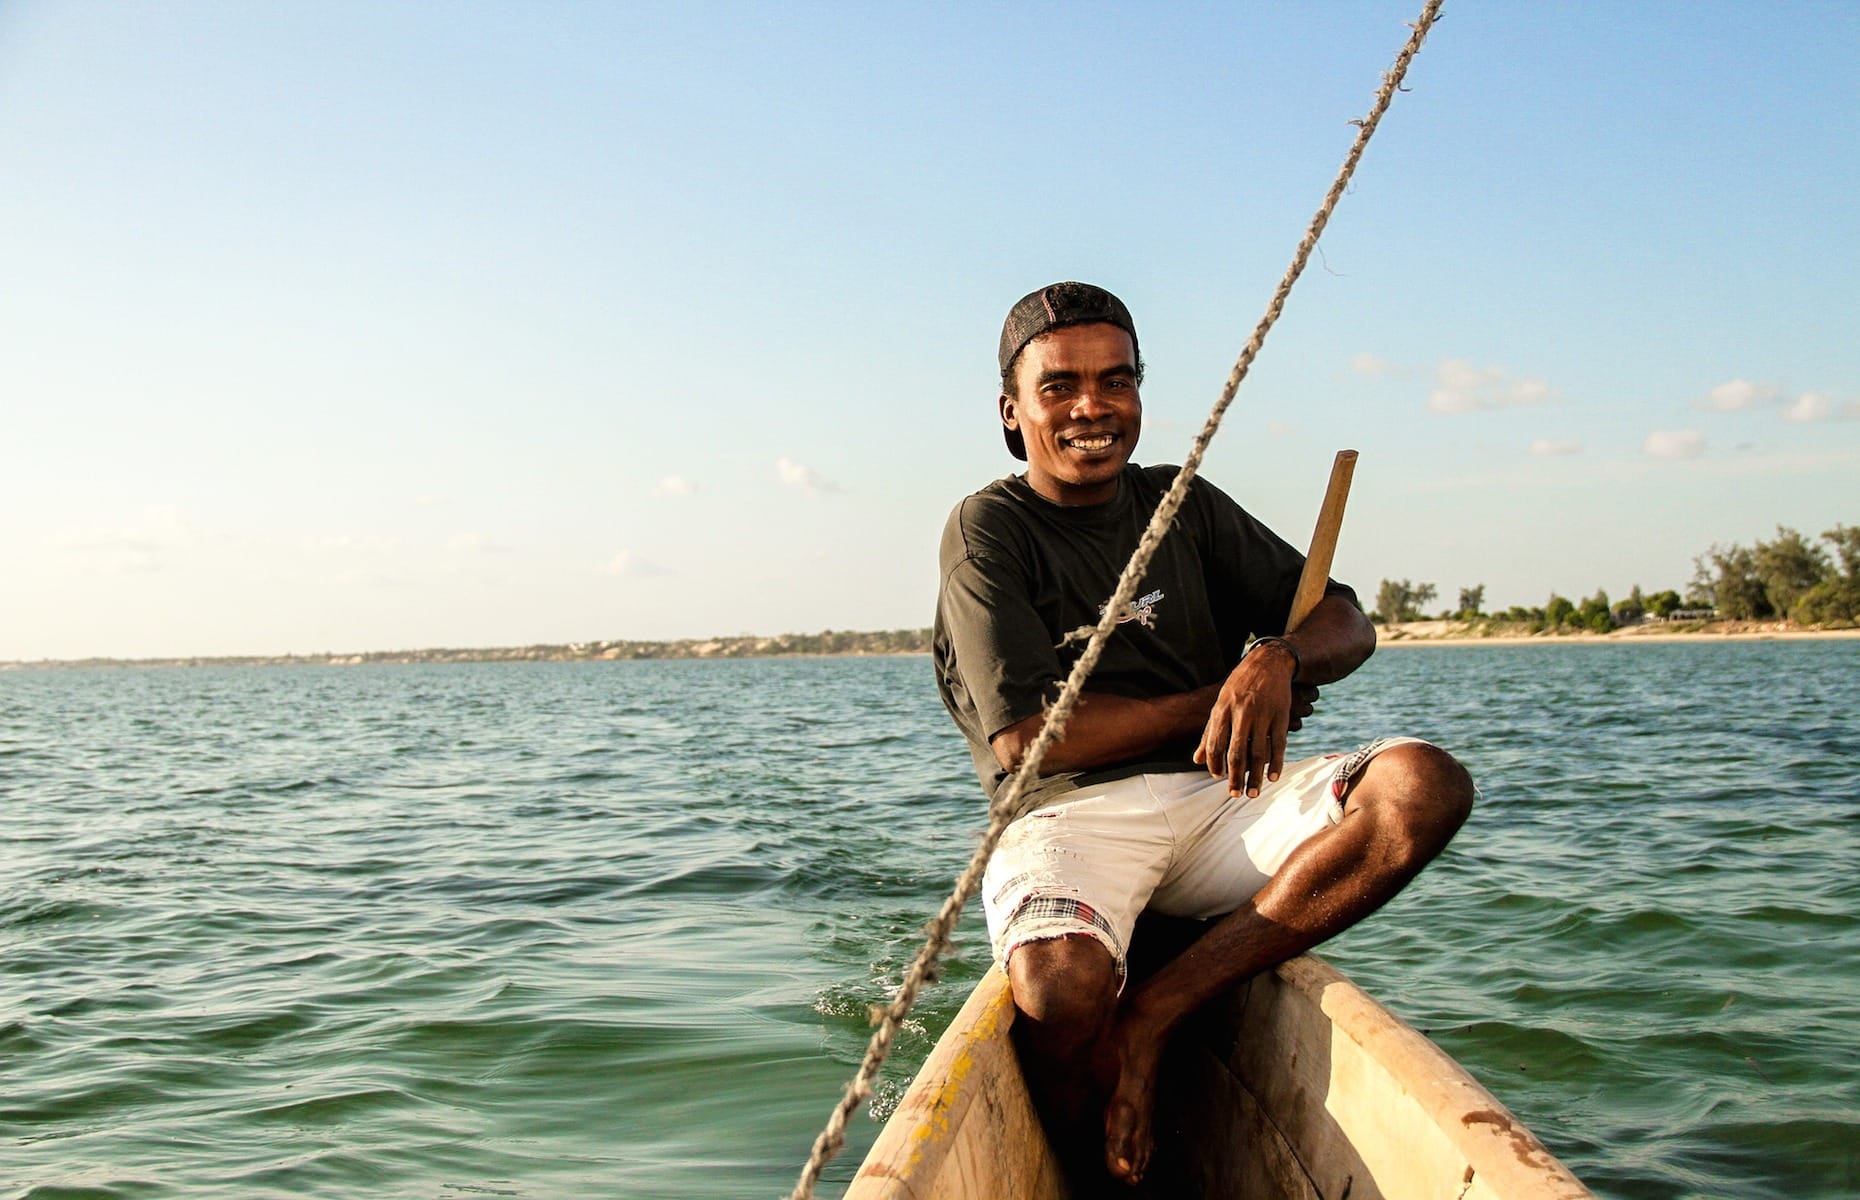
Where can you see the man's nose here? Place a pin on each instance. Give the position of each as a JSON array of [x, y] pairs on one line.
[[1090, 405]]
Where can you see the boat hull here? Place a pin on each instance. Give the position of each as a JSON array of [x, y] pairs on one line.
[[1297, 1084]]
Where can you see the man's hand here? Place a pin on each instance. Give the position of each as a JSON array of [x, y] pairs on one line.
[[1244, 738], [1304, 703]]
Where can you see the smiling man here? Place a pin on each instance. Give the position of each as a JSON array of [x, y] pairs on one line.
[[1170, 790]]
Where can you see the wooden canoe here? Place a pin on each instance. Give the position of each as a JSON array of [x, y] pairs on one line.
[[1296, 1085]]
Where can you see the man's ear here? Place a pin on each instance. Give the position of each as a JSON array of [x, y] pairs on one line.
[[1009, 417]]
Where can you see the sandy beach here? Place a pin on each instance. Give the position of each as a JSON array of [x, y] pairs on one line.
[[1464, 633]]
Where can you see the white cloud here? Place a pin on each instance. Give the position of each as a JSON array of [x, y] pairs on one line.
[[1373, 365], [366, 542], [795, 475], [1675, 443], [1526, 393], [151, 529], [628, 565], [1547, 448], [1279, 428], [1809, 406], [1460, 387], [145, 542], [1819, 406], [1737, 395], [474, 542], [676, 485]]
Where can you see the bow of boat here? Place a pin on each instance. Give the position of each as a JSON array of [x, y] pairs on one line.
[[1297, 1084]]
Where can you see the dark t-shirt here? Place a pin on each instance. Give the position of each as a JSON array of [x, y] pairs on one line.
[[1019, 572]]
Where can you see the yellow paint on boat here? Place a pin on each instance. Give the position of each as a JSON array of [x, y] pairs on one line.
[[991, 1027]]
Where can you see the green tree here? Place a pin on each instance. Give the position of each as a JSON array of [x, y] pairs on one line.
[[1402, 601], [1836, 599], [1727, 580], [1789, 567], [1632, 609], [1389, 597], [1831, 602], [1558, 611], [1663, 604], [1846, 542], [1592, 613], [1472, 602]]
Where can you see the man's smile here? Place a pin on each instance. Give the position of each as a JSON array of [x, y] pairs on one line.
[[1090, 443]]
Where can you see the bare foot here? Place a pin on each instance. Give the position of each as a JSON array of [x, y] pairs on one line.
[[1127, 1140]]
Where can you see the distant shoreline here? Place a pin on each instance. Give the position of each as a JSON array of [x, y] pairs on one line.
[[1485, 633], [1474, 633], [827, 644], [843, 644]]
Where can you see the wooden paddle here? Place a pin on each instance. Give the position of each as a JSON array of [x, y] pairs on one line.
[[1323, 540]]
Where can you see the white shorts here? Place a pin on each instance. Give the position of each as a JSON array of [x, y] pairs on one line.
[[1177, 844]]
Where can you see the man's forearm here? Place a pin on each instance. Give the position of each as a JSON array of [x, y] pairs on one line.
[[1333, 641], [1106, 729]]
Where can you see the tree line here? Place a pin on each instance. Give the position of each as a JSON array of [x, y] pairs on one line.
[[1789, 577]]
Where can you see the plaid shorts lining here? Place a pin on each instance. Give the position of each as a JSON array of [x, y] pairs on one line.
[[1352, 766], [1062, 908]]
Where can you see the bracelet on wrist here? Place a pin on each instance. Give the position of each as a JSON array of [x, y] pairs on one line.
[[1297, 663]]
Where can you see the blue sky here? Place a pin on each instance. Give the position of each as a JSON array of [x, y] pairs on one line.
[[349, 326]]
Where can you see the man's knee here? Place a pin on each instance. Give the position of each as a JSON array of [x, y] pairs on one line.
[[1065, 989], [1420, 792]]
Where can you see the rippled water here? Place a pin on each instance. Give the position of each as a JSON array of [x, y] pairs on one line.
[[611, 929]]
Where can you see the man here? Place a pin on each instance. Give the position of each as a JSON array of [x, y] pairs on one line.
[[1170, 789]]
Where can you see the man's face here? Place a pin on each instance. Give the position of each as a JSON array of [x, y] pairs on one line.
[[1077, 410]]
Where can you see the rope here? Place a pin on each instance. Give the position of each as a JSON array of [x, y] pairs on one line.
[[1007, 806]]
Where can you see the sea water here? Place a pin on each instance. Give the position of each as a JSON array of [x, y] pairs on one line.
[[612, 929]]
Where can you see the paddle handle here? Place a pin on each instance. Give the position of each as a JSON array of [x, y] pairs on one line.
[[1323, 540]]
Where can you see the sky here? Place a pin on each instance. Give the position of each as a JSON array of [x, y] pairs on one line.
[[344, 326]]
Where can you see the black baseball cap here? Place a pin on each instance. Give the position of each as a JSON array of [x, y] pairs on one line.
[[1054, 307]]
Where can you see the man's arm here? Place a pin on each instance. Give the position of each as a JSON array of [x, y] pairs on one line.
[[1107, 729], [1244, 738], [1334, 640]]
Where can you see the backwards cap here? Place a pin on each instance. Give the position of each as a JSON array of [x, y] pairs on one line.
[[1054, 307]]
